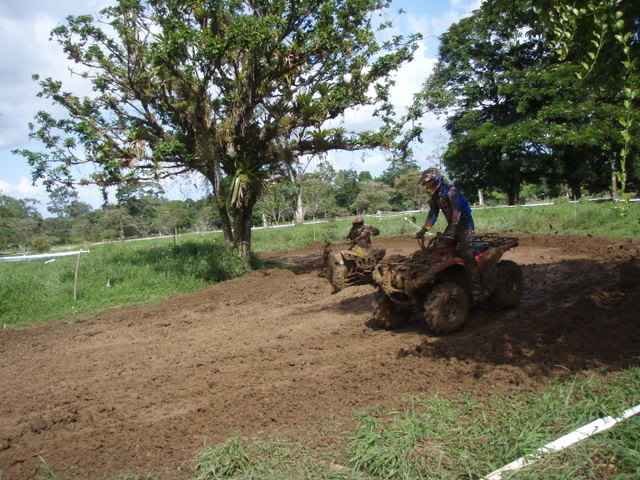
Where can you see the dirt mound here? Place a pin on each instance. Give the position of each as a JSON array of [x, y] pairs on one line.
[[143, 389]]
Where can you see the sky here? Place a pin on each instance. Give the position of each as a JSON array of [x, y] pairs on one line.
[[25, 26]]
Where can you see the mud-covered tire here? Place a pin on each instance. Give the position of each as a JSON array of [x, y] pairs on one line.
[[509, 285], [386, 314], [446, 308], [338, 274]]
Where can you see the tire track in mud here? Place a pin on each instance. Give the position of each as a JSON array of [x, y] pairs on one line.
[[139, 390]]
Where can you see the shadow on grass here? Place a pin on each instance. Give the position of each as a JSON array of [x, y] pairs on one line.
[[210, 262]]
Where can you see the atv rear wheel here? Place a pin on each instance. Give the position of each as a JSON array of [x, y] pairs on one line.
[[446, 308], [386, 313], [509, 285], [338, 276]]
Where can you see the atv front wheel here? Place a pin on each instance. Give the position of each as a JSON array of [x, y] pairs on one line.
[[338, 277], [386, 313], [446, 308], [509, 285]]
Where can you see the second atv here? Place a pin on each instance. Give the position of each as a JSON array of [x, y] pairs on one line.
[[351, 267], [432, 285]]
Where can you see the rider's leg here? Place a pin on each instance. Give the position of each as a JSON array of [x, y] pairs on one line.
[[464, 248]]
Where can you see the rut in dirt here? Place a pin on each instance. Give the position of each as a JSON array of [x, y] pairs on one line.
[[141, 390]]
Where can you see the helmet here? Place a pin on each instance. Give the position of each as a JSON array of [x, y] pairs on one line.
[[431, 179], [357, 220]]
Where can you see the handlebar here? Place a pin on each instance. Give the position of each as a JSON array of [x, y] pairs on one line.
[[433, 242]]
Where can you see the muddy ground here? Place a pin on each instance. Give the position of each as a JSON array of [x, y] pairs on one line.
[[140, 390]]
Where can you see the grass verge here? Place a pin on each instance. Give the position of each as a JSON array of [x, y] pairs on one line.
[[111, 275], [433, 437]]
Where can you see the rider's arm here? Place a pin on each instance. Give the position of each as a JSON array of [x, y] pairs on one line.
[[453, 196], [432, 216], [372, 230]]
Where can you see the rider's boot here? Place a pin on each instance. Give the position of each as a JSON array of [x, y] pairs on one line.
[[475, 279]]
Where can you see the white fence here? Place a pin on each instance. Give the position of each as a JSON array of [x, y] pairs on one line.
[[40, 256]]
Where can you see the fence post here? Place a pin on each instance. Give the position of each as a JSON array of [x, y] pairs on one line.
[[75, 277]]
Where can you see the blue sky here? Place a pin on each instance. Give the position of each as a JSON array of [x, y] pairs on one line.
[[26, 49]]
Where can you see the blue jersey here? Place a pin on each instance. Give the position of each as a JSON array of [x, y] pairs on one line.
[[455, 207]]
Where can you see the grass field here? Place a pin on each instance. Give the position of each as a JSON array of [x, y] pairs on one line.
[[126, 273], [438, 438]]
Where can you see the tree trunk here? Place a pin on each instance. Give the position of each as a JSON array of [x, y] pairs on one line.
[[481, 197], [513, 188], [575, 191], [214, 177], [236, 222], [227, 231], [614, 182], [300, 209], [242, 230]]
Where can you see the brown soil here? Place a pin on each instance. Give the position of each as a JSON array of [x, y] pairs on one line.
[[142, 390]]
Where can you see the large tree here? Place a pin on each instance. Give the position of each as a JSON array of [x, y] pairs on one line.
[[479, 59], [233, 89], [601, 40], [517, 112]]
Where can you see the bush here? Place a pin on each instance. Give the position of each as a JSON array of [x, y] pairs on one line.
[[41, 243]]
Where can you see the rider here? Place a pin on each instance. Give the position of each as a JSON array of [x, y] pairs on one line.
[[360, 236], [459, 231]]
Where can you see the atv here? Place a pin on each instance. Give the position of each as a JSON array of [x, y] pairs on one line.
[[432, 285], [351, 267]]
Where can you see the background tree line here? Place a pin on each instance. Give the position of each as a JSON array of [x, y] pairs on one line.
[[137, 212], [141, 210]]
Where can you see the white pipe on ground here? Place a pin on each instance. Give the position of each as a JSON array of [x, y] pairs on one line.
[[586, 431], [23, 258]]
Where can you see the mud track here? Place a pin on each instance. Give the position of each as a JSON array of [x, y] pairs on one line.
[[141, 390]]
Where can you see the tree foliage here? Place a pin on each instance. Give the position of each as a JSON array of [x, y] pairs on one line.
[[601, 39], [233, 89], [514, 109], [373, 197]]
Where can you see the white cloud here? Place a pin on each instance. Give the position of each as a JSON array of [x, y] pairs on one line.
[[25, 10], [26, 49], [408, 81], [193, 185], [24, 189], [431, 26]]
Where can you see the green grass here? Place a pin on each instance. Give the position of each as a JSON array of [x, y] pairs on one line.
[[582, 218], [111, 275], [134, 272], [440, 438]]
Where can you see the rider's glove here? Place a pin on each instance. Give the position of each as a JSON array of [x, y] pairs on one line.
[[420, 233]]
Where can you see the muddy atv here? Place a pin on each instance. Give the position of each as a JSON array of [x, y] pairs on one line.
[[432, 285], [351, 267]]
